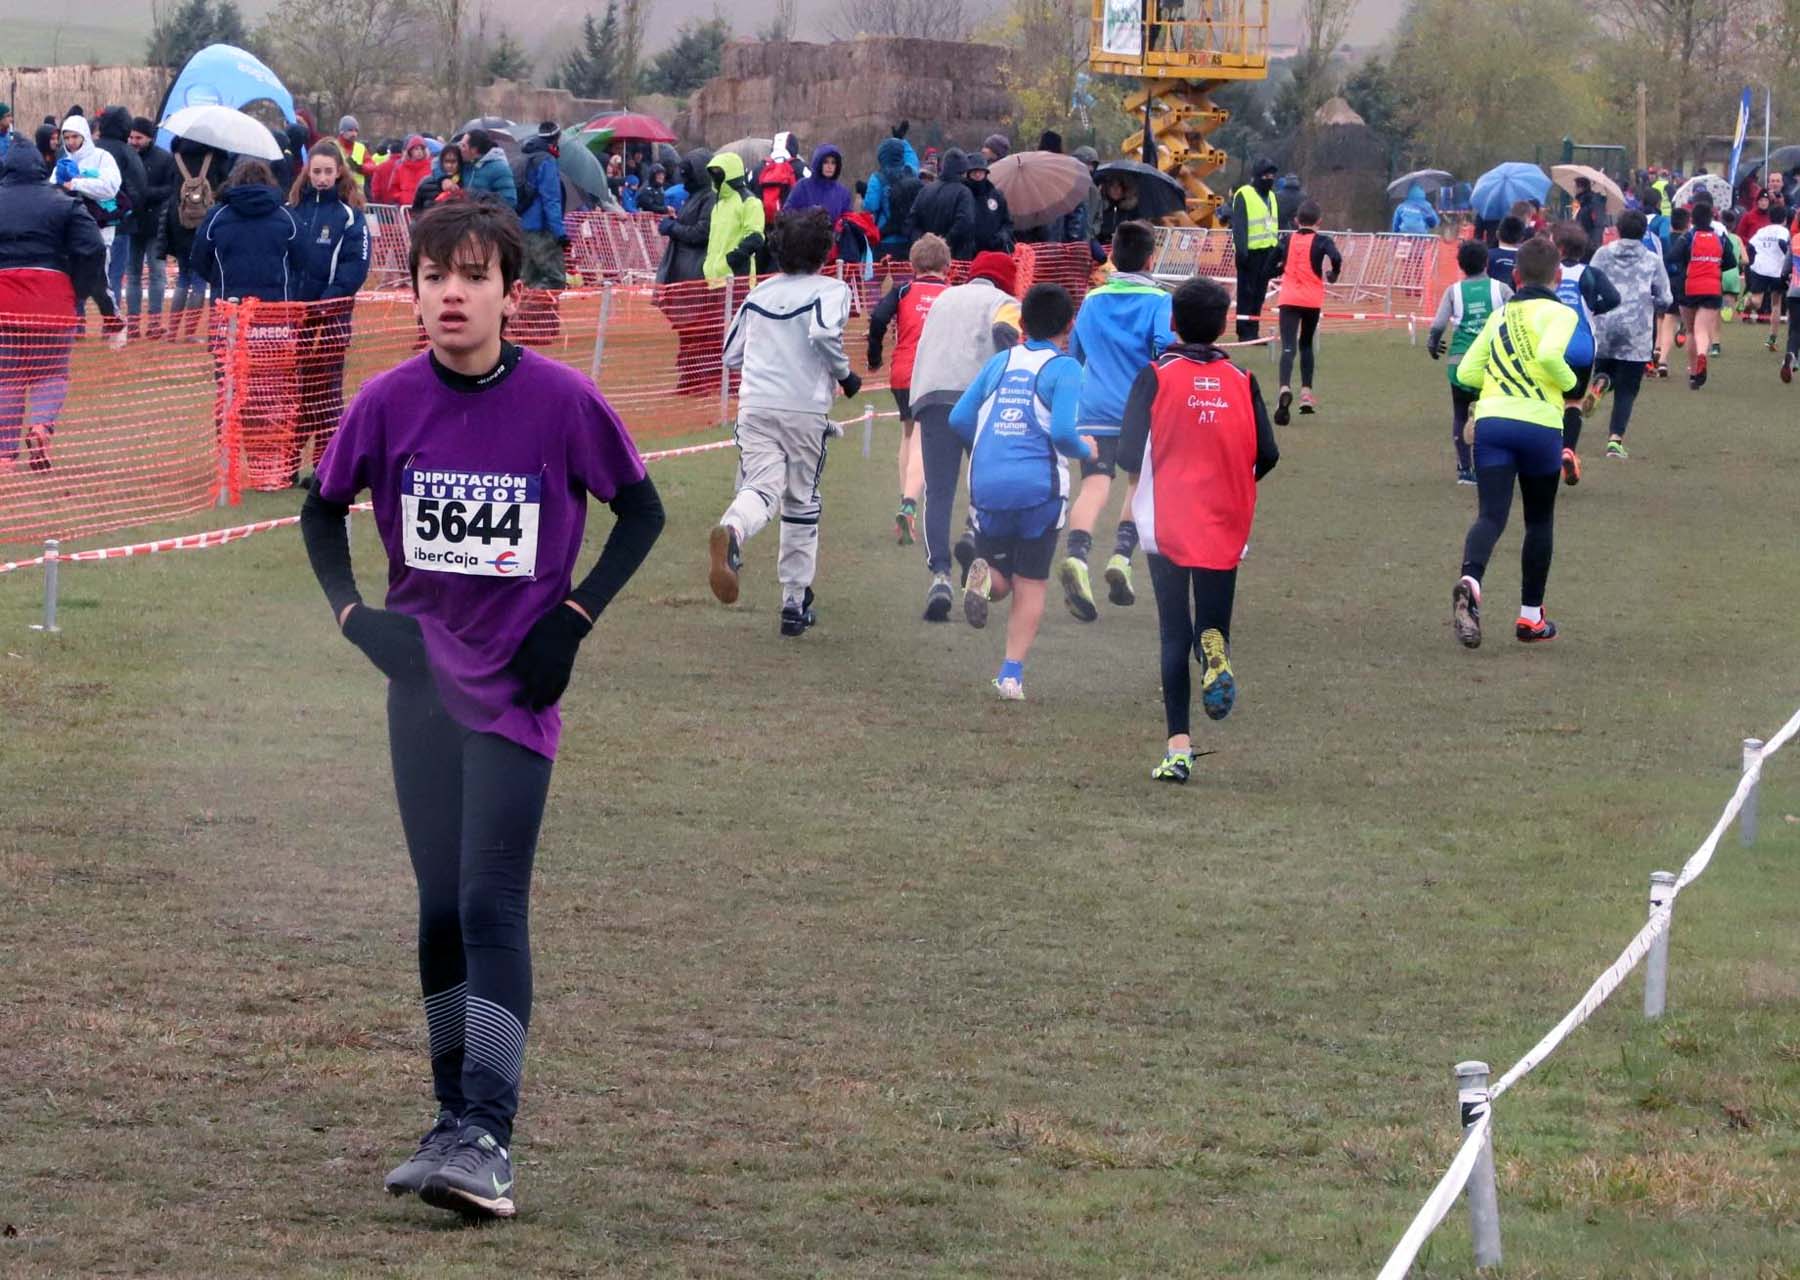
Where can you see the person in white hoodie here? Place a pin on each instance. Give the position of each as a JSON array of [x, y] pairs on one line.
[[788, 338], [91, 173]]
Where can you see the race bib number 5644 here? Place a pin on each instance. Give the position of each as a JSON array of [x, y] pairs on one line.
[[483, 523]]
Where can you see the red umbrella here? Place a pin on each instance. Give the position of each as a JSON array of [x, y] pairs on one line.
[[631, 126]]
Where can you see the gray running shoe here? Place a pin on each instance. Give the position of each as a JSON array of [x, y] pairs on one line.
[[939, 599], [410, 1174], [475, 1180]]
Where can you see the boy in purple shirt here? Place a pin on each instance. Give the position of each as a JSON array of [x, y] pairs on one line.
[[480, 459]]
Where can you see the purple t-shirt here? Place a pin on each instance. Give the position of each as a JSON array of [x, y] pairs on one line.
[[481, 498]]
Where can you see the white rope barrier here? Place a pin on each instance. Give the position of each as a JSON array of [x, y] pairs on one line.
[[1456, 1178]]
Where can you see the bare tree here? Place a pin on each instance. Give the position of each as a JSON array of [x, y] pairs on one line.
[[339, 49], [1681, 40], [781, 24], [925, 19]]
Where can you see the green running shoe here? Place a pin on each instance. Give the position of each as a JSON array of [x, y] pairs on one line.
[[1118, 581], [1616, 449], [1218, 688], [476, 1178], [1078, 589], [409, 1176], [1175, 767]]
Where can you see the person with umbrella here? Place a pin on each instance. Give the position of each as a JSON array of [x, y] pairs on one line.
[[1254, 235], [1118, 205], [653, 196], [489, 173], [1414, 215], [541, 211], [1590, 216]]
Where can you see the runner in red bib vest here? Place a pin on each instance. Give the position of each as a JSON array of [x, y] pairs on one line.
[[1196, 439], [1301, 264], [1703, 256]]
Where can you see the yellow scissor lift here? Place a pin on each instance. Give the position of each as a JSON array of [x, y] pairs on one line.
[[1183, 50]]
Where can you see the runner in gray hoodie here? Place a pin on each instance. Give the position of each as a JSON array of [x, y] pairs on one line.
[[1625, 337], [788, 338]]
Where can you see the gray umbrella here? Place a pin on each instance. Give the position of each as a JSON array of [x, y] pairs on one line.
[[1428, 179], [752, 151], [1159, 194], [582, 168]]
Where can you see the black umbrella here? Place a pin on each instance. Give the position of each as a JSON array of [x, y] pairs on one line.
[[1158, 194]]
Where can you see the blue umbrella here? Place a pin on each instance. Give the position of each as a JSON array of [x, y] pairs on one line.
[[1503, 186]]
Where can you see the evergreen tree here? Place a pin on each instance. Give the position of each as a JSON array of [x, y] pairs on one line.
[[589, 69], [192, 26], [691, 60]]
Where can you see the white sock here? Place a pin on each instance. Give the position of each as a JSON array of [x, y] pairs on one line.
[[1532, 612], [1474, 587]]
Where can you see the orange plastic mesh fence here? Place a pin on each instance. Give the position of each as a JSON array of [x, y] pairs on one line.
[[247, 395], [93, 438]]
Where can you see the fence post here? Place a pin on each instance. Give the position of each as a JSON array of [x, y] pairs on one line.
[[52, 556], [868, 427], [600, 331], [228, 396], [1484, 1198], [1656, 968], [1747, 815], [724, 373]]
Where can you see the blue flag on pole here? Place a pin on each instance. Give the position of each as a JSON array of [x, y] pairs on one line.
[[1738, 135]]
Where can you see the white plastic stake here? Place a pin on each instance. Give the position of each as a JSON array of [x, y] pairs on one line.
[[1656, 964], [606, 296], [52, 557], [1484, 1196], [1747, 815], [724, 373], [868, 428]]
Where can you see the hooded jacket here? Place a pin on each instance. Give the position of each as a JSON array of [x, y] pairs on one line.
[[737, 217], [1637, 272], [161, 181], [820, 192], [689, 230], [492, 175], [409, 175], [893, 189], [49, 246], [993, 220], [947, 208], [788, 338], [776, 177], [543, 174], [91, 173], [332, 249], [114, 128], [1415, 216], [249, 246], [433, 188]]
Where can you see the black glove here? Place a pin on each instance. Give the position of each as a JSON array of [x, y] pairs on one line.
[[546, 656], [899, 130], [665, 227], [850, 383], [390, 640], [738, 261], [1434, 348]]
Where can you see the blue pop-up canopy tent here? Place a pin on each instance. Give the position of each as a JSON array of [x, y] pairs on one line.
[[225, 75]]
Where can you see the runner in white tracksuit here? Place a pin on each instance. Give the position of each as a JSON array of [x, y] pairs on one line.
[[788, 338]]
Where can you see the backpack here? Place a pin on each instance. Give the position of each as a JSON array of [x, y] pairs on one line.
[[196, 196], [900, 197], [523, 166]]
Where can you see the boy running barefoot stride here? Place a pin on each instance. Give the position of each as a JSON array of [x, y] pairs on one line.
[[788, 338], [480, 459], [1197, 440], [1019, 418]]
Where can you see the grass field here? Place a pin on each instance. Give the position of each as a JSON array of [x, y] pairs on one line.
[[846, 969]]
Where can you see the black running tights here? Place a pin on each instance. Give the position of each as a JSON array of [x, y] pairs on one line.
[[470, 804], [1627, 379], [1181, 621], [1300, 323], [1494, 487]]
